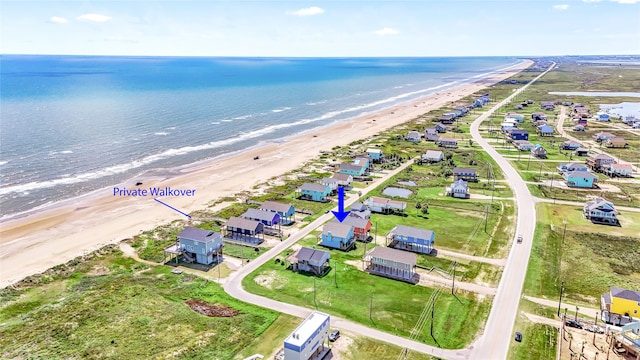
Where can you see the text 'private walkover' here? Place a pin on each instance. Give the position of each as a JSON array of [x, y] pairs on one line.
[[152, 191]]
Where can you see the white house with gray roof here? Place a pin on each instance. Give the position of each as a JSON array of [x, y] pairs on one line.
[[392, 263]]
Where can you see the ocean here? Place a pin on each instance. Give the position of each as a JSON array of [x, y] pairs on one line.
[[70, 125]]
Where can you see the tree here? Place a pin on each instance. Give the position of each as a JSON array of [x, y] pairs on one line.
[[470, 142], [418, 206], [425, 208]]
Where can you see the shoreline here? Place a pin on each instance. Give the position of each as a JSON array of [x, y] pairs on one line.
[[39, 239]]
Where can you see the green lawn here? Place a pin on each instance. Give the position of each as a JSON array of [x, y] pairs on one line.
[[457, 321], [115, 308], [592, 257]]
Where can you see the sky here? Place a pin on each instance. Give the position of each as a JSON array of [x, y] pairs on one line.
[[321, 28]]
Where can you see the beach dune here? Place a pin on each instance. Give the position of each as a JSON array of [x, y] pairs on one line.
[[36, 241]]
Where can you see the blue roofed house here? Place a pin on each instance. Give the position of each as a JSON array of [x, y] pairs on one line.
[[314, 192], [200, 246], [375, 154], [285, 211], [516, 116], [545, 130], [478, 103], [411, 239], [352, 169], [603, 117], [570, 145], [580, 179], [338, 235]]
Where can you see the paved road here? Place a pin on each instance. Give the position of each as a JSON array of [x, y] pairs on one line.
[[494, 342], [233, 286]]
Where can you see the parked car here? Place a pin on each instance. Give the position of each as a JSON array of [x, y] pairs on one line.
[[573, 323], [518, 337], [334, 335], [519, 239], [594, 328]]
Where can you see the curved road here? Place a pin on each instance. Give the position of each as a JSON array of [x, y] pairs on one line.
[[495, 340], [493, 344]]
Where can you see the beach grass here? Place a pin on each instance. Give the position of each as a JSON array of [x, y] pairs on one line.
[[82, 312], [589, 260]]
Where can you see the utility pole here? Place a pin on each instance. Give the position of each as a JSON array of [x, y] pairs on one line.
[[314, 293], [486, 217], [453, 285], [560, 301], [529, 161], [594, 329], [564, 230], [335, 273], [433, 307], [371, 307], [540, 174]]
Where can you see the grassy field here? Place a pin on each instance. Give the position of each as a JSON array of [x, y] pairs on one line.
[[591, 258], [352, 294], [111, 307], [539, 341]]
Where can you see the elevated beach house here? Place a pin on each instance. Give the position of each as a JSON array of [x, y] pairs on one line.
[[413, 136], [446, 118], [432, 156], [440, 128], [517, 134], [343, 180], [360, 210], [449, 143], [512, 115], [285, 211], [361, 226], [385, 206], [545, 130], [618, 303], [539, 152], [523, 145], [574, 166], [310, 260], [331, 183], [536, 116], [314, 192], [616, 142], [580, 179], [245, 230], [581, 151], [602, 136], [601, 211], [465, 174], [459, 189], [411, 239], [198, 245], [570, 145], [353, 169], [619, 170], [603, 117], [337, 235], [597, 162], [269, 219], [548, 105], [309, 340], [363, 161], [375, 155], [392, 263], [431, 134]]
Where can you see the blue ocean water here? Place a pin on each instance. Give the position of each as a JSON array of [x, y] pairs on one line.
[[74, 124]]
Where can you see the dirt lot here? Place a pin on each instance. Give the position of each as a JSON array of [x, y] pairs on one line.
[[211, 310], [581, 342]]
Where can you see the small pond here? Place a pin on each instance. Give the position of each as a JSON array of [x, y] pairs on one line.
[[407, 183], [394, 191]]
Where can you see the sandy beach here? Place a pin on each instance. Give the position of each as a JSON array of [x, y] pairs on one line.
[[35, 242]]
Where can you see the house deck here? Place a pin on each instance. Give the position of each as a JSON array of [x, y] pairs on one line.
[[242, 240], [417, 248], [388, 273]]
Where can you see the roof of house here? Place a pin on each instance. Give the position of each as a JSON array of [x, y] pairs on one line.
[[599, 202], [539, 149], [517, 131], [442, 139], [242, 223], [355, 221], [545, 128], [433, 154], [313, 187], [361, 160], [601, 156], [576, 165], [604, 133], [581, 174], [330, 180], [374, 151], [412, 232], [413, 134], [621, 166], [378, 199], [200, 235], [617, 139], [337, 229], [358, 206], [258, 214], [459, 184], [441, 125], [351, 167], [342, 177], [522, 143], [571, 142], [464, 171], [606, 297], [400, 256], [306, 254], [625, 294], [430, 131], [275, 206], [306, 329]]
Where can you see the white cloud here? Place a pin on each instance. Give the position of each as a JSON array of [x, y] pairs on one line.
[[626, 1], [591, 1], [386, 31], [94, 18], [561, 7], [314, 10], [58, 20]]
